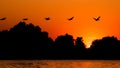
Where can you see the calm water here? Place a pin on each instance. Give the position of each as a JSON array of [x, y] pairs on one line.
[[60, 64]]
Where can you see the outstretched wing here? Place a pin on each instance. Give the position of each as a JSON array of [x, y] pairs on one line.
[[3, 18], [71, 18], [95, 19], [98, 17]]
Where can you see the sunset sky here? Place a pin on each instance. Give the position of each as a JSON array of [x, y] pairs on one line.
[[83, 25]]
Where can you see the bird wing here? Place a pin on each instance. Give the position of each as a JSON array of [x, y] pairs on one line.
[[3, 18], [94, 18], [71, 18], [98, 17]]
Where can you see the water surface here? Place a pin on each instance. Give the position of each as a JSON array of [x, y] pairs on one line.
[[60, 64]]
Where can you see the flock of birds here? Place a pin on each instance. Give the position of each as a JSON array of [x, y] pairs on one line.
[[48, 18]]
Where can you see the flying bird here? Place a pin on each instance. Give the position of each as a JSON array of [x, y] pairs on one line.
[[47, 18], [97, 19], [25, 19], [70, 18], [3, 18]]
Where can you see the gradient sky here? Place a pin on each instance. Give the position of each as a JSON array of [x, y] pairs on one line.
[[60, 10]]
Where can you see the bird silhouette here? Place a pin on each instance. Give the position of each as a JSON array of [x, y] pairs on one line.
[[70, 18], [47, 18], [4, 18], [25, 19], [97, 19]]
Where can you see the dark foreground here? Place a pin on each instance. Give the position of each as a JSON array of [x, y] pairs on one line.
[[26, 41]]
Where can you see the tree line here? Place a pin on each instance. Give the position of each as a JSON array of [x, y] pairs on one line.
[[26, 41]]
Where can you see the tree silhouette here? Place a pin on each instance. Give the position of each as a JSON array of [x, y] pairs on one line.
[[106, 48], [80, 49], [64, 41], [27, 41], [64, 45], [79, 44]]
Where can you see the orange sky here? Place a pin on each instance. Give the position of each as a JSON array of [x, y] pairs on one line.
[[59, 10]]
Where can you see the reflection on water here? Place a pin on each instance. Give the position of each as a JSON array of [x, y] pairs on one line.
[[59, 64]]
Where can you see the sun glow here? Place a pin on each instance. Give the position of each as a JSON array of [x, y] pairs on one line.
[[88, 40]]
